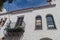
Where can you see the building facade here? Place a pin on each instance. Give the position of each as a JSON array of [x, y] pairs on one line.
[[41, 23]]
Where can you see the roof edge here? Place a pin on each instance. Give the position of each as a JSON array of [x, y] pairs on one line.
[[29, 9]]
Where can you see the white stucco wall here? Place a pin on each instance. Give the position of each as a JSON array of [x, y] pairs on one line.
[[29, 19]]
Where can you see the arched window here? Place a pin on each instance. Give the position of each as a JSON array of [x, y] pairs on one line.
[[38, 22], [50, 22], [45, 39]]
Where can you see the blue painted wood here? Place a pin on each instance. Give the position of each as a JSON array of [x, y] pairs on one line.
[[23, 4]]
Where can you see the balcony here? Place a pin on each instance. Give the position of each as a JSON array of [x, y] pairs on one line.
[[14, 32], [12, 28]]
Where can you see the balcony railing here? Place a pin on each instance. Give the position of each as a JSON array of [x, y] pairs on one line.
[[12, 28]]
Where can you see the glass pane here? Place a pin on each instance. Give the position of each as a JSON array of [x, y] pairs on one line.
[[49, 18], [38, 20], [38, 27], [50, 23], [38, 23]]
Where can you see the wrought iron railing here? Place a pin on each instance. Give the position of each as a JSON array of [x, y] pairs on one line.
[[12, 28]]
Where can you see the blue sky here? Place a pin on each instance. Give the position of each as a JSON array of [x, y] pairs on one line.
[[23, 4]]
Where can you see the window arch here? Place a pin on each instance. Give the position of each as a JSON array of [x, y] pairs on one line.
[[38, 22], [50, 22], [46, 38]]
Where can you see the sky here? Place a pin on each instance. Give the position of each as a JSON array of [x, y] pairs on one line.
[[23, 4]]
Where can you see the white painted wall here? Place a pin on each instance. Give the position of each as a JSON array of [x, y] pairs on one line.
[[29, 19]]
